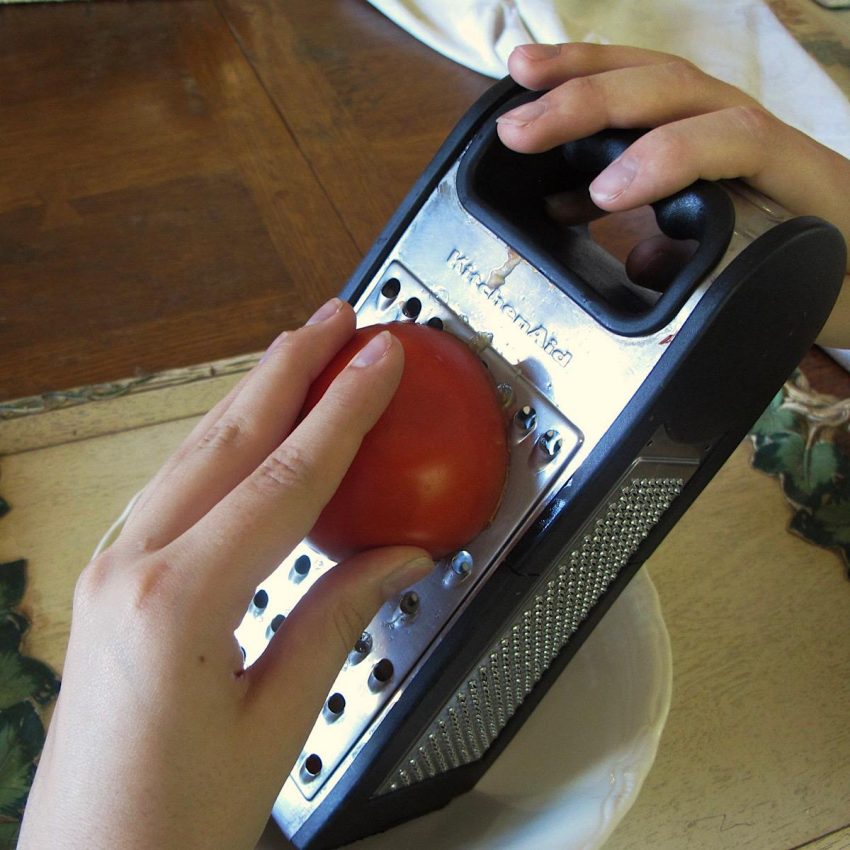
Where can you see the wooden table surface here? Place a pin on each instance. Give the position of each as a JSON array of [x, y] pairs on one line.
[[181, 181]]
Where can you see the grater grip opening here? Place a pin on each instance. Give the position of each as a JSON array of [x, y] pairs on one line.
[[507, 192]]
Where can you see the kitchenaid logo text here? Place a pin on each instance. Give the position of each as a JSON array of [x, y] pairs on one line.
[[543, 338]]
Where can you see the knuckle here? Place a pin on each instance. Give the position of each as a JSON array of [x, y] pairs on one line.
[[126, 590], [287, 468], [666, 144], [152, 586], [682, 72], [674, 144], [583, 90], [755, 121], [91, 581], [229, 433], [289, 344]]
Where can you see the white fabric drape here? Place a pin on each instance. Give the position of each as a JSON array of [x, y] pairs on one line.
[[739, 41]]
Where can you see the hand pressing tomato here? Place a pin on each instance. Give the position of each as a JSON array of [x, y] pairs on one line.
[[431, 472]]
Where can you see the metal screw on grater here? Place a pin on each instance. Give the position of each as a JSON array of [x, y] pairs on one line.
[[623, 403]]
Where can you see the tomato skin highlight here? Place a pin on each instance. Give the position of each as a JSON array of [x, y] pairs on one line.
[[431, 472]]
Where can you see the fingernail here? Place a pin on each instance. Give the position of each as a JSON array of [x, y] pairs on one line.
[[615, 179], [373, 351], [524, 114], [536, 52], [328, 309], [406, 575]]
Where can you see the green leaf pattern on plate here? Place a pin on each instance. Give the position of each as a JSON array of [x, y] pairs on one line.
[[803, 438], [26, 684]]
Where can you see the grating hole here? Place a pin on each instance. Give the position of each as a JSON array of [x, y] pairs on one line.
[[383, 671], [312, 765], [336, 704], [277, 622], [302, 565], [391, 288], [260, 600], [435, 323], [412, 308], [506, 674]]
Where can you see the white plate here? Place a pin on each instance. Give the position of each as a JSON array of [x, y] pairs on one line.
[[576, 766]]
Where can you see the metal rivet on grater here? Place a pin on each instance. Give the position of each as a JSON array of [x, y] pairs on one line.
[[506, 394], [550, 444], [461, 564], [409, 604], [362, 647], [526, 418]]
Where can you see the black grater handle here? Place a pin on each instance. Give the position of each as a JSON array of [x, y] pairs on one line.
[[696, 212], [506, 191]]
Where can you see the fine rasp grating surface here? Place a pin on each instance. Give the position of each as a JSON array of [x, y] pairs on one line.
[[475, 715]]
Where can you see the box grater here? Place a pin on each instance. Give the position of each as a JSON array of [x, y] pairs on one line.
[[623, 405]]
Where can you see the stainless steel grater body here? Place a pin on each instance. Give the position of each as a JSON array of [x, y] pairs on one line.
[[623, 406]]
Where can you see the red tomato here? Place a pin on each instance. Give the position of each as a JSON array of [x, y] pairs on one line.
[[432, 470]]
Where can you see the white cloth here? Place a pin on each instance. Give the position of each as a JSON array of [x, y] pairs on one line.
[[739, 41]]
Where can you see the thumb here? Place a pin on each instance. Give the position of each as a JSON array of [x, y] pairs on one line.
[[292, 677]]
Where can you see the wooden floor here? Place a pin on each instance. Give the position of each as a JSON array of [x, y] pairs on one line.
[[179, 181]]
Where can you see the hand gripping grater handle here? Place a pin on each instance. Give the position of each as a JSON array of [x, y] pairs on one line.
[[623, 408]]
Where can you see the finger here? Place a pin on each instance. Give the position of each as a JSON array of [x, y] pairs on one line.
[[294, 674], [239, 434], [621, 98], [231, 549], [745, 142], [600, 86], [655, 262], [167, 469], [544, 66]]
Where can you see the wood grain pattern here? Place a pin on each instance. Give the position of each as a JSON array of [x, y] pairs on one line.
[[369, 104], [838, 840], [179, 186], [155, 211]]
